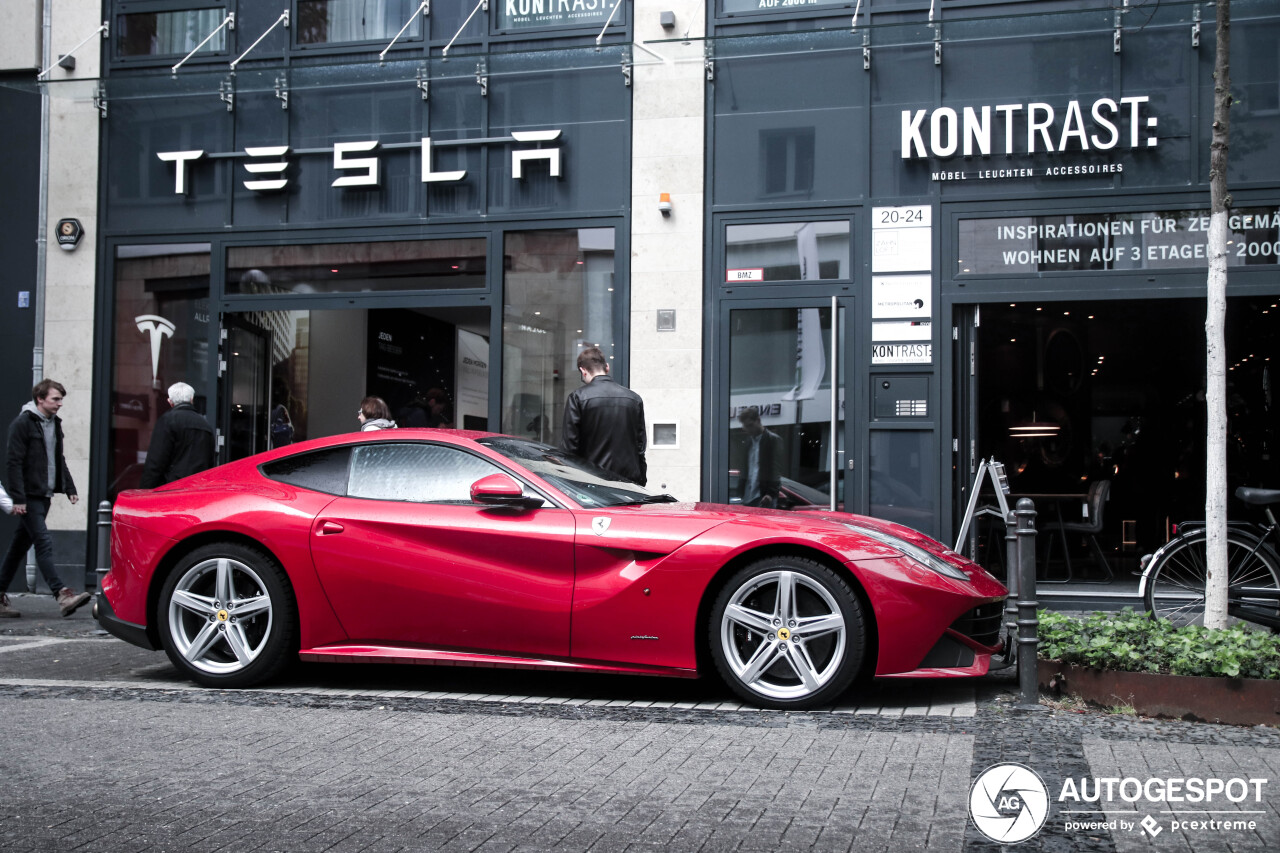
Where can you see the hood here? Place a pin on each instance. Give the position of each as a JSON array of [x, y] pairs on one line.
[[33, 409]]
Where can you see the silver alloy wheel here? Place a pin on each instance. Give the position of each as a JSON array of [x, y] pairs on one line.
[[220, 616], [783, 635]]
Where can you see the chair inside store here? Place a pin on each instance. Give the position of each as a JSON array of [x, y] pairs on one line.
[[1068, 532]]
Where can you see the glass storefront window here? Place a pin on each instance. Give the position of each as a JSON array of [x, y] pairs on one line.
[[358, 267], [161, 336], [295, 375], [336, 21], [168, 33], [787, 251], [560, 297]]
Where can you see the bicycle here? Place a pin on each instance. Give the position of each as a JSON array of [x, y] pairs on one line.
[[1174, 577]]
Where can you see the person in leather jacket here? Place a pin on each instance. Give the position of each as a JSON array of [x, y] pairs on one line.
[[604, 422]]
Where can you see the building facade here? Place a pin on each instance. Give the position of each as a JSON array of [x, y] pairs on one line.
[[910, 235]]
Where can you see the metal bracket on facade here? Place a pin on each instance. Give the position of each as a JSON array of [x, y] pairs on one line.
[[866, 38], [483, 4], [424, 84], [709, 60], [482, 77], [626, 65], [1115, 39], [283, 19], [425, 8], [229, 22], [1195, 27], [227, 93], [100, 99], [600, 37], [282, 92], [69, 56]]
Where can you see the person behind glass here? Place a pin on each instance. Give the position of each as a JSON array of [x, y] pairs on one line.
[[761, 451], [182, 442], [439, 415], [604, 422], [374, 414], [35, 471]]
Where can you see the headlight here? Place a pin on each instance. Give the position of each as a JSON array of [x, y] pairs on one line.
[[915, 552]]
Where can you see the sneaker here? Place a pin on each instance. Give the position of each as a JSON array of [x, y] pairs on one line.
[[5, 610], [70, 601]]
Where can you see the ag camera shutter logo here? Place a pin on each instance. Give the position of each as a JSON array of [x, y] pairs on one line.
[[1009, 803]]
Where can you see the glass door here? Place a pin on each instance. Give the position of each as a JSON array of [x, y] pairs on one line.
[[783, 441], [246, 389]]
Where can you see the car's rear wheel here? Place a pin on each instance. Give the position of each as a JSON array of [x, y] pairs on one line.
[[227, 616], [788, 633]]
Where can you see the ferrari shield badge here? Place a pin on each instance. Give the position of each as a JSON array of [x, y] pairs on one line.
[[599, 525]]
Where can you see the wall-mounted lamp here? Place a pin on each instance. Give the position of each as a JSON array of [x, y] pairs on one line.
[[664, 204], [667, 19]]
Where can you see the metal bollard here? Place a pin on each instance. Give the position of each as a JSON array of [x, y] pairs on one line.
[[1028, 639], [1012, 580], [104, 541]]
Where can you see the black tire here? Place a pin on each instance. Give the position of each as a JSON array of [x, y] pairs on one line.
[[788, 657], [1176, 577], [235, 643]]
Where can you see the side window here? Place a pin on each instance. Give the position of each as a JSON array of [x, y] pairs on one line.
[[424, 473], [323, 471]]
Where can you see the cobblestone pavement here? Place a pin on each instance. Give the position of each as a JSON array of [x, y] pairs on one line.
[[106, 749]]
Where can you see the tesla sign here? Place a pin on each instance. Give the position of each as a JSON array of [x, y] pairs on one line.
[[267, 165]]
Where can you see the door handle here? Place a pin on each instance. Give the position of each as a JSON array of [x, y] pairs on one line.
[[327, 527]]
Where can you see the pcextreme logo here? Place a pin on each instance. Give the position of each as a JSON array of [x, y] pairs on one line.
[[1010, 803]]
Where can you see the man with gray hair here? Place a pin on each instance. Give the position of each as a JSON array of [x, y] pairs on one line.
[[182, 442]]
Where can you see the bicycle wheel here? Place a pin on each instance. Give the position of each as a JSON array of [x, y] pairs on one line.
[[1176, 579]]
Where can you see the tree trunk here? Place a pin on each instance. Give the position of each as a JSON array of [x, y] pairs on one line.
[[1215, 509]]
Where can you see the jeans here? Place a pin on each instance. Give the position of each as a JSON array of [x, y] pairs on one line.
[[32, 529]]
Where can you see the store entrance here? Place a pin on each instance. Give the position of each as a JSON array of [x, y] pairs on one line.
[[297, 374], [783, 443], [1081, 398]]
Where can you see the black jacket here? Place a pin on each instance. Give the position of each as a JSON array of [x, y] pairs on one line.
[[604, 424], [770, 472], [181, 445], [27, 468]]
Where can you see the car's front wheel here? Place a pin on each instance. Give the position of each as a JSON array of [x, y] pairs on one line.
[[787, 632], [227, 617]]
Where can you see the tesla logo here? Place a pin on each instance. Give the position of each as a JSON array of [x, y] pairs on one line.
[[158, 328], [599, 525], [272, 161]]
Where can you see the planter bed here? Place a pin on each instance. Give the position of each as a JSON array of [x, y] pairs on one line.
[[1237, 701]]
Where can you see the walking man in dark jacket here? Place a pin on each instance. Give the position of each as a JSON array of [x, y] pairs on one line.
[[182, 443], [604, 422], [35, 471]]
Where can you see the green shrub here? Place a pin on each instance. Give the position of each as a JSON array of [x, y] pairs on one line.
[[1134, 642]]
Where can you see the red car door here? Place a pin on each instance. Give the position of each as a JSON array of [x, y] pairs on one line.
[[406, 558]]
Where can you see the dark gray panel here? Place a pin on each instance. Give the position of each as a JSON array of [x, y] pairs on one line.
[[140, 187], [591, 110], [908, 86], [789, 128]]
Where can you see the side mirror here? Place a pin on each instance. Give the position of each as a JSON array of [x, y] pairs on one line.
[[501, 490]]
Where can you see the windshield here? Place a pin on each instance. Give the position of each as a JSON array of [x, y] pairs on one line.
[[579, 479]]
